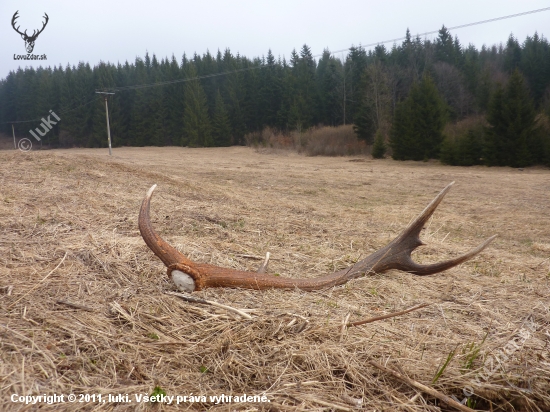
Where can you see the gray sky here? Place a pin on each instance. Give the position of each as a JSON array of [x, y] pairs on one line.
[[117, 31]]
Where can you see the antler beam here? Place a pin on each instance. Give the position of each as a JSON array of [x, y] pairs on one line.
[[191, 276]]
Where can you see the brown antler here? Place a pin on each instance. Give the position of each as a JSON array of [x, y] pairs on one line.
[[192, 276]]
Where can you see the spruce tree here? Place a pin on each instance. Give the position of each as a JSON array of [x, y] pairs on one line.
[[496, 148], [379, 147], [270, 93], [330, 86], [520, 110], [234, 95], [221, 127], [174, 103], [196, 122], [140, 110], [470, 149], [512, 140], [429, 117], [156, 114], [356, 62], [365, 123], [401, 140], [445, 49], [449, 150], [535, 65], [463, 150], [305, 99], [417, 130]]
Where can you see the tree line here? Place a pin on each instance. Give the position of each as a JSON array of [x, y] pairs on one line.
[[408, 96]]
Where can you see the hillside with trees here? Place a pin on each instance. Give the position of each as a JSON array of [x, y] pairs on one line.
[[421, 99]]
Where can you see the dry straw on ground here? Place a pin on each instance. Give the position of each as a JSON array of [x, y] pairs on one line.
[[83, 307]]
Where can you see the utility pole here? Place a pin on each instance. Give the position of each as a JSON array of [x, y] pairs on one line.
[[344, 73], [13, 132], [105, 95]]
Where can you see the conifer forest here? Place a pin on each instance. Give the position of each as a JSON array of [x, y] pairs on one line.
[[417, 100]]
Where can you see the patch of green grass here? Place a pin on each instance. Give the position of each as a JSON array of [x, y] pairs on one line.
[[153, 336], [487, 269], [157, 391], [523, 278], [472, 353], [203, 369], [440, 371], [527, 242]]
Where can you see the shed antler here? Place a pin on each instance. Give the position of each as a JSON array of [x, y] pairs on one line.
[[191, 276]]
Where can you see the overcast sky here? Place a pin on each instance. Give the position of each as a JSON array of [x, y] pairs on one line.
[[117, 31]]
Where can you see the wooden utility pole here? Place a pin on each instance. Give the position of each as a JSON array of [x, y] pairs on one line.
[[105, 94], [344, 73]]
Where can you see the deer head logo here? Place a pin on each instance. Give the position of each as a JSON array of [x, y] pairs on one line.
[[29, 40]]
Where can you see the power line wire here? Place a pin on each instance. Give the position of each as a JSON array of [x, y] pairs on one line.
[[510, 16], [143, 86], [60, 113]]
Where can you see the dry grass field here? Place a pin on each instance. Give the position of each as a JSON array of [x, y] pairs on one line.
[[83, 308]]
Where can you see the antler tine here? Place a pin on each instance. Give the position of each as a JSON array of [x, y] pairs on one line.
[[413, 231], [161, 248], [414, 228], [397, 254], [423, 270]]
